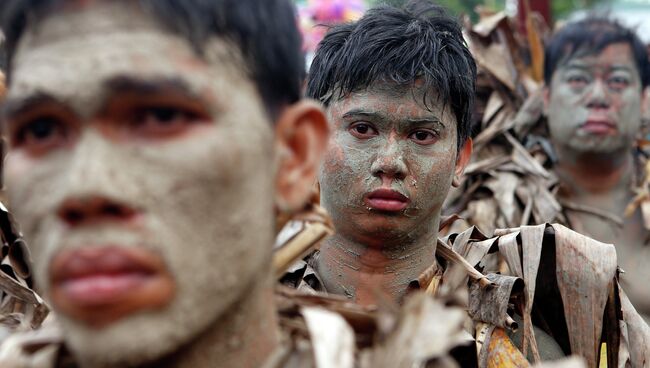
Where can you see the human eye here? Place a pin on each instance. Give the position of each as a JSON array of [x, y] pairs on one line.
[[618, 82], [424, 136], [163, 120], [362, 130], [577, 80], [39, 133]]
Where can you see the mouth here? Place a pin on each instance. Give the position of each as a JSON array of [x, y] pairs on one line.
[[599, 127], [387, 200], [99, 285]]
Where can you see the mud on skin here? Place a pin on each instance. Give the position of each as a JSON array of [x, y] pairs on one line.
[[594, 107], [384, 138], [594, 102], [80, 150]]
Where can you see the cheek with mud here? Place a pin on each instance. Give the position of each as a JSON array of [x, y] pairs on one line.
[[568, 111], [430, 181], [344, 178]]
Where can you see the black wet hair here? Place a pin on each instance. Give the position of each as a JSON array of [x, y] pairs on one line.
[[265, 31], [413, 43], [588, 37]]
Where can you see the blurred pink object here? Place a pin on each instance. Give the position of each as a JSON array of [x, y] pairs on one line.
[[316, 13], [336, 11]]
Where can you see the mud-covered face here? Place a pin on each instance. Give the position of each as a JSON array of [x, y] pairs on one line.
[[142, 176], [594, 101], [389, 164]]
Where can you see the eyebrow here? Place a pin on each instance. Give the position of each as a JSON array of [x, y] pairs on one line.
[[576, 65], [18, 106], [114, 87], [128, 84], [622, 67], [363, 113], [354, 113]]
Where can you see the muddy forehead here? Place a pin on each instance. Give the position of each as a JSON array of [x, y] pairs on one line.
[[75, 18], [615, 56], [397, 103], [71, 53]]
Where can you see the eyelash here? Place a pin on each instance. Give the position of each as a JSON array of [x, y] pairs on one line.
[[49, 129], [435, 135], [43, 129]]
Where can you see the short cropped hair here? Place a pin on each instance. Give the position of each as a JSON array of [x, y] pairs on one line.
[[418, 42], [590, 36], [265, 32]]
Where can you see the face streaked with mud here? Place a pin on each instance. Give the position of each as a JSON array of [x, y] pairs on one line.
[[123, 141], [594, 101], [389, 164]]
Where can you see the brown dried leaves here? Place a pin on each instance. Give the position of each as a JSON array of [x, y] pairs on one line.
[[506, 184], [20, 306]]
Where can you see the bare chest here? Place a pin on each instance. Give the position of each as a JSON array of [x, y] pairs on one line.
[[632, 242]]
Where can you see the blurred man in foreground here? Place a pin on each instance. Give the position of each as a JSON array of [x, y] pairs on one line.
[[148, 145]]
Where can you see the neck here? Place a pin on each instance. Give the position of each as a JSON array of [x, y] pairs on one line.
[[373, 275], [244, 337], [588, 174]]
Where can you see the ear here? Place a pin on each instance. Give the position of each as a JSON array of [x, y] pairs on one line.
[[546, 95], [464, 155], [301, 135], [645, 101]]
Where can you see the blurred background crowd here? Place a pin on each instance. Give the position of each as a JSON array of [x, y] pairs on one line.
[[315, 13]]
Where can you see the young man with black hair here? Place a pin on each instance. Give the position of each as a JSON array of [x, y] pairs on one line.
[[398, 86], [151, 145], [596, 72]]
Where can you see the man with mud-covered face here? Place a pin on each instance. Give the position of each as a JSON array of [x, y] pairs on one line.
[[148, 145], [399, 128], [596, 72], [398, 86]]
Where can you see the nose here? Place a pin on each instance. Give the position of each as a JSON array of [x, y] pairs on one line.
[[389, 163], [598, 96], [91, 210], [92, 182]]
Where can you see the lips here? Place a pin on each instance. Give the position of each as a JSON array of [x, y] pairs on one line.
[[99, 285], [388, 200], [599, 127]]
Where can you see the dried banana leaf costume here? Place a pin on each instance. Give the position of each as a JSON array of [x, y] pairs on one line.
[[572, 280], [562, 282], [20, 307], [326, 331]]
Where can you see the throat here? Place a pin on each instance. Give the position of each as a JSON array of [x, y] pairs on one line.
[[591, 174], [372, 275]]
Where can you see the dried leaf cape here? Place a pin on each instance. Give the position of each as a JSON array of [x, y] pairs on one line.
[[571, 280], [317, 330], [558, 288], [20, 307]]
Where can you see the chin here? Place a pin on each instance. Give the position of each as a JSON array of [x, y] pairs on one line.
[[128, 342], [145, 336], [601, 145], [379, 227]]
